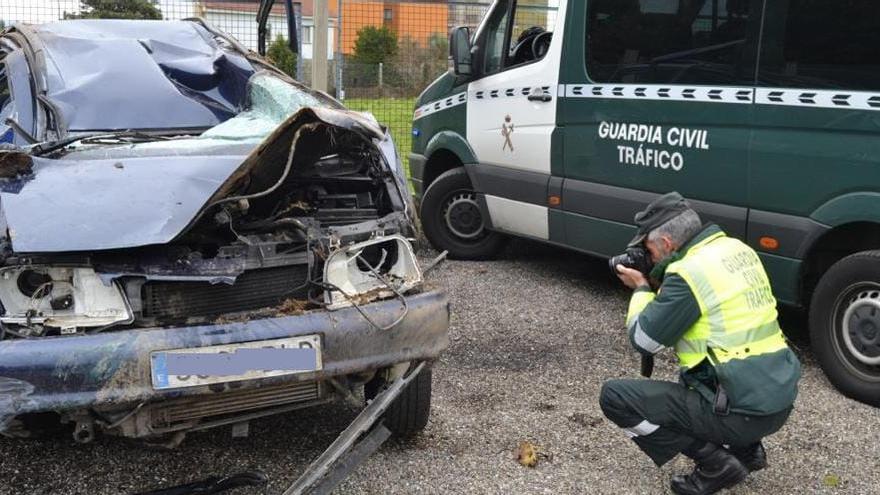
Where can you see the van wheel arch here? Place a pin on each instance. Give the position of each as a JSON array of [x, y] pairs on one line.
[[439, 162], [841, 282], [834, 245]]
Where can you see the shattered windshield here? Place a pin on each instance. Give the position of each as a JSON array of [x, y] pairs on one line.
[[271, 101]]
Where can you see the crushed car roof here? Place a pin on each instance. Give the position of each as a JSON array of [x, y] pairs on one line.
[[165, 74]]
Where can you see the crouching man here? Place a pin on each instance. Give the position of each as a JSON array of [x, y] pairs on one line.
[[738, 377]]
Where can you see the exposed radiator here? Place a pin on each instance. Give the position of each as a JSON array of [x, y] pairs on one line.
[[252, 290], [175, 412]]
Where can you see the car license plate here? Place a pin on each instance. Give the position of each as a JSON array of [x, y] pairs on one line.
[[178, 368]]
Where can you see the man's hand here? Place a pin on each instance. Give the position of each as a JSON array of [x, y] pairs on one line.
[[631, 278]]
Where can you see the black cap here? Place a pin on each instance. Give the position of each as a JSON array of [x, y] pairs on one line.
[[660, 211]]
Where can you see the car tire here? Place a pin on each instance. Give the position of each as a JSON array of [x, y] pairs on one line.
[[409, 413], [453, 222], [845, 326]]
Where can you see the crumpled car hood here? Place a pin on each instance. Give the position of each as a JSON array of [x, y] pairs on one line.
[[74, 204], [78, 205]]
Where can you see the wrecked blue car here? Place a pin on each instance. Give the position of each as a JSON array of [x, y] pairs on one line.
[[170, 199]]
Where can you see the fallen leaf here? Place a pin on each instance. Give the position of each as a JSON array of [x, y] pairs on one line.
[[831, 480], [527, 454]]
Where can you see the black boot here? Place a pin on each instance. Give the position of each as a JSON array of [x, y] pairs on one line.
[[715, 469], [753, 457]]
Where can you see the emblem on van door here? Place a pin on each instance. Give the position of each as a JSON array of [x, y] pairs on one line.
[[507, 131]]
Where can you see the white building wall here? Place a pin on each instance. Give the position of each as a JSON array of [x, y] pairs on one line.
[[36, 11], [243, 27], [40, 11], [176, 9]]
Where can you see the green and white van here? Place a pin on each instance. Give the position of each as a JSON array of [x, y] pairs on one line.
[[562, 118]]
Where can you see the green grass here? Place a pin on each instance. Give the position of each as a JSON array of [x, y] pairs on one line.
[[396, 113]]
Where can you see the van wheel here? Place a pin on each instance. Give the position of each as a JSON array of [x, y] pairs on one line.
[[845, 325], [409, 412], [452, 219]]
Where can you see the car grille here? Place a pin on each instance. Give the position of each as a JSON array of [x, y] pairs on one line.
[[168, 415], [252, 290]]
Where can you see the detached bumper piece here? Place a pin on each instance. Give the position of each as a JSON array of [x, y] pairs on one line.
[[214, 484]]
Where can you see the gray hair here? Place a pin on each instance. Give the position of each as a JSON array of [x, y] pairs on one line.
[[680, 229]]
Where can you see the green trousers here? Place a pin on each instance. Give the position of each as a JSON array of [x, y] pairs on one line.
[[664, 418]]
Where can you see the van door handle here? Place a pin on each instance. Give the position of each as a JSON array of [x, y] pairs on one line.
[[543, 97]]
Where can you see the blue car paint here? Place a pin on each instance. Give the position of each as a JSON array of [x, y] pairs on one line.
[[166, 75], [79, 205]]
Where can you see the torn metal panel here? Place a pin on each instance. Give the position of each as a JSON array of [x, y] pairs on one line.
[[270, 156], [73, 205], [373, 269]]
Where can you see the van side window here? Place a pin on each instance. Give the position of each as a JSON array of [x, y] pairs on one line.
[[496, 35], [672, 41], [525, 40], [822, 44]]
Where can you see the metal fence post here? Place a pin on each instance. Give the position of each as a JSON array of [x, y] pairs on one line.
[[297, 18], [340, 92], [319, 52], [381, 74]]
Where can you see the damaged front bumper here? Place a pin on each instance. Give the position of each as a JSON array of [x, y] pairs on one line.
[[112, 371]]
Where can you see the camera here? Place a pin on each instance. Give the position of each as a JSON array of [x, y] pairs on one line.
[[635, 257]]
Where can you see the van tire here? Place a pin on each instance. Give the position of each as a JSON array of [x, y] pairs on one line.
[[464, 236], [409, 412], [845, 326]]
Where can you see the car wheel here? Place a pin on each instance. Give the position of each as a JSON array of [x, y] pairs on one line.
[[845, 325], [409, 413], [452, 219]]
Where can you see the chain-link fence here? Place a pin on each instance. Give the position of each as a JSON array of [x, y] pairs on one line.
[[381, 53]]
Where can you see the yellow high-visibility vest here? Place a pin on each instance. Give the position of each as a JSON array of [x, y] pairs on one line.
[[738, 309]]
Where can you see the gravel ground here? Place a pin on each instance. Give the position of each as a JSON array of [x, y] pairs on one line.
[[534, 335]]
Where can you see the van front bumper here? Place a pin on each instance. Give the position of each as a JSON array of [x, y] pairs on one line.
[[416, 172]]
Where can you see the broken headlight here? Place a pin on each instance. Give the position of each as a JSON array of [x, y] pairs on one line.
[[39, 298], [370, 270]]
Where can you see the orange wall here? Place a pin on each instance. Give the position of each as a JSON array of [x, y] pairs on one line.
[[356, 15], [419, 21], [415, 20]]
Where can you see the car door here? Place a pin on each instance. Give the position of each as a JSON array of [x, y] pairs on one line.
[[512, 110]]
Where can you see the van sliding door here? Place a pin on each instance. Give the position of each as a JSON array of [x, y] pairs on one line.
[[658, 97]]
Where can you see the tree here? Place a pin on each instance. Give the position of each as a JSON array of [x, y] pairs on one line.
[[117, 9], [282, 56], [374, 45], [416, 65]]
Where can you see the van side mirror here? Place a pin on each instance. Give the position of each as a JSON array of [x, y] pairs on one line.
[[460, 51]]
